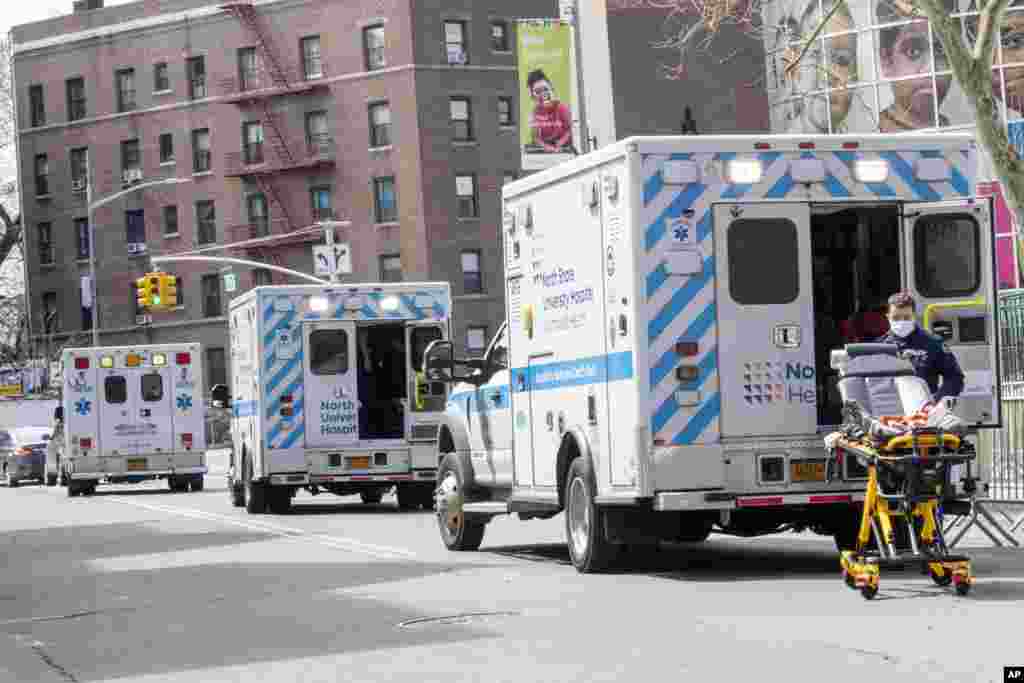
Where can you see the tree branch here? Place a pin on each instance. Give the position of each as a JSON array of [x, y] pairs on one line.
[[810, 41], [989, 16]]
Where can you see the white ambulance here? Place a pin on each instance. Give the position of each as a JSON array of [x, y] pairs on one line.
[[130, 414], [664, 368], [325, 395]]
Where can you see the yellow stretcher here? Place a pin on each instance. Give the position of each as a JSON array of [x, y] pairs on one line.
[[907, 483]]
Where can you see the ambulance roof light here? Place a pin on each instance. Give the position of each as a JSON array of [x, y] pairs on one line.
[[870, 170], [389, 303], [318, 304], [107, 362], [806, 145], [762, 145], [851, 145], [159, 359], [183, 358], [743, 171], [81, 363]]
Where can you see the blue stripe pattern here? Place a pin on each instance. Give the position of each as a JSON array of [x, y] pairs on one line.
[[903, 170], [707, 413], [573, 373], [683, 201], [669, 407], [682, 296], [696, 330]]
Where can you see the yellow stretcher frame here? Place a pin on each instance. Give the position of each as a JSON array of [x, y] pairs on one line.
[[876, 515]]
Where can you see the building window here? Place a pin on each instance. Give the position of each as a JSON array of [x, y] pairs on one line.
[[216, 366], [391, 268], [44, 231], [135, 231], [125, 89], [252, 142], [76, 98], [380, 124], [166, 148], [201, 150], [385, 203], [312, 63], [476, 337], [461, 114], [465, 193], [42, 175], [248, 69], [196, 69], [51, 322], [79, 169], [170, 221], [259, 222], [161, 79], [206, 222], [320, 198], [261, 277], [472, 277], [373, 47], [82, 237], [37, 105], [210, 285], [455, 42], [505, 110], [317, 136], [499, 36], [131, 161]]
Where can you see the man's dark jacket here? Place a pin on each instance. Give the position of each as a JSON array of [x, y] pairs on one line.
[[931, 360]]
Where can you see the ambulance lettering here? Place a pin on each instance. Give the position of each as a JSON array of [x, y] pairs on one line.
[[769, 383], [338, 417]]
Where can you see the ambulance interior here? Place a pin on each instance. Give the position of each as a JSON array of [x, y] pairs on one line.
[[856, 267], [385, 376]]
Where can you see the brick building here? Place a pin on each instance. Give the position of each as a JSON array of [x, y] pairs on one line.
[[395, 115]]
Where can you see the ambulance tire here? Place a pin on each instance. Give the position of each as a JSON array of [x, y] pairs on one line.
[[468, 532], [407, 496], [279, 500], [196, 483], [589, 550], [51, 479], [255, 493], [371, 496]]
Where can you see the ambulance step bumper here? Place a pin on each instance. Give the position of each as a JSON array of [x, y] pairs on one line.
[[721, 500], [76, 476], [383, 478]]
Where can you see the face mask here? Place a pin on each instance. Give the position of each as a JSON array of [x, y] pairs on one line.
[[902, 328]]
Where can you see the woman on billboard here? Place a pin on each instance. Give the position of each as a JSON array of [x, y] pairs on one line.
[[551, 120]]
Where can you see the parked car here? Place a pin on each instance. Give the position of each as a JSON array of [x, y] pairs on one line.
[[23, 453]]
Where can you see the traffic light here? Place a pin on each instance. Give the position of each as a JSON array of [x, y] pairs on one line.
[[150, 292], [142, 301], [168, 290]]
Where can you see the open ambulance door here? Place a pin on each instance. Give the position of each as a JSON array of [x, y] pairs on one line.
[[950, 270]]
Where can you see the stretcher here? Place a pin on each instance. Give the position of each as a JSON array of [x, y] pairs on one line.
[[910, 448]]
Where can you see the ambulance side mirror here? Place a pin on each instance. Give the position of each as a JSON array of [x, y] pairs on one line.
[[219, 396], [439, 361]]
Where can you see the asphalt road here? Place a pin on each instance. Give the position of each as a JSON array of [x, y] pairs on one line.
[[139, 584]]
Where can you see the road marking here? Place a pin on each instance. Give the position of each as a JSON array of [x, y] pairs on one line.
[[341, 543]]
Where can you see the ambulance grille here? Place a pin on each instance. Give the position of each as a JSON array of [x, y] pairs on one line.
[[423, 432]]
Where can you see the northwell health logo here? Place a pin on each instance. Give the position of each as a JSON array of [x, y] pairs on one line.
[[771, 382]]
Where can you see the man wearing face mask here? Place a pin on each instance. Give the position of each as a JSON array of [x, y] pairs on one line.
[[927, 352]]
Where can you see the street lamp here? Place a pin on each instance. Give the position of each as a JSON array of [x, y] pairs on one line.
[[92, 206]]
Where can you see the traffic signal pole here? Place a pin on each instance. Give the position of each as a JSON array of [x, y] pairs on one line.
[[157, 260]]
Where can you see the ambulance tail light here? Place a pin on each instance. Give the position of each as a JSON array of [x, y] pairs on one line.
[[81, 363], [687, 349], [806, 145], [85, 443], [762, 145], [851, 145], [183, 358], [186, 441], [870, 170]]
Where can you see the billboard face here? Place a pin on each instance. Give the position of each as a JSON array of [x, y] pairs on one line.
[[546, 77]]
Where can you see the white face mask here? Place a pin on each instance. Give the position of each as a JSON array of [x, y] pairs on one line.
[[902, 328]]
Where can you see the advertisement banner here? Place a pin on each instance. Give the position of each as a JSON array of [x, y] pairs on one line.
[[547, 110]]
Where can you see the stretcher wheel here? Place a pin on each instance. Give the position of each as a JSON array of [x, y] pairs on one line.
[[869, 592], [963, 587], [849, 580], [940, 579]]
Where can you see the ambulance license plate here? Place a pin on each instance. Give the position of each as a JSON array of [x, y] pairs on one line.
[[807, 470], [359, 462], [135, 464]]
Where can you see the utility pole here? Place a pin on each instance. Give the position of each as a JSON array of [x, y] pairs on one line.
[[570, 11]]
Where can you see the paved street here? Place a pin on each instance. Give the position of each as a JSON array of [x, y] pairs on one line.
[[138, 584]]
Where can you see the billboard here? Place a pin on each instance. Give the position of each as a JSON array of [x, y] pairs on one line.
[[547, 75]]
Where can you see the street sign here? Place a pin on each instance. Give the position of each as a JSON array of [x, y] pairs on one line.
[[230, 282], [332, 258]]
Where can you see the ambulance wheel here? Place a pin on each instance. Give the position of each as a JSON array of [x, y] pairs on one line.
[[237, 492], [589, 550], [426, 497], [371, 496], [458, 531], [177, 484], [869, 592], [963, 588], [255, 493], [279, 500], [407, 497], [196, 483], [51, 479]]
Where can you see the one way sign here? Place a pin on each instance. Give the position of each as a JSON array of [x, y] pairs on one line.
[[331, 259]]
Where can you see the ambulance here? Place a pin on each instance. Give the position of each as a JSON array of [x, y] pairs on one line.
[[664, 370], [130, 414], [325, 396]]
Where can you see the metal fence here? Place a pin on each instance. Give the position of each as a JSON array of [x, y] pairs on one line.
[[1006, 476]]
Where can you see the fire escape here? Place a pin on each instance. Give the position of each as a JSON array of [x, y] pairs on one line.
[[285, 155]]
